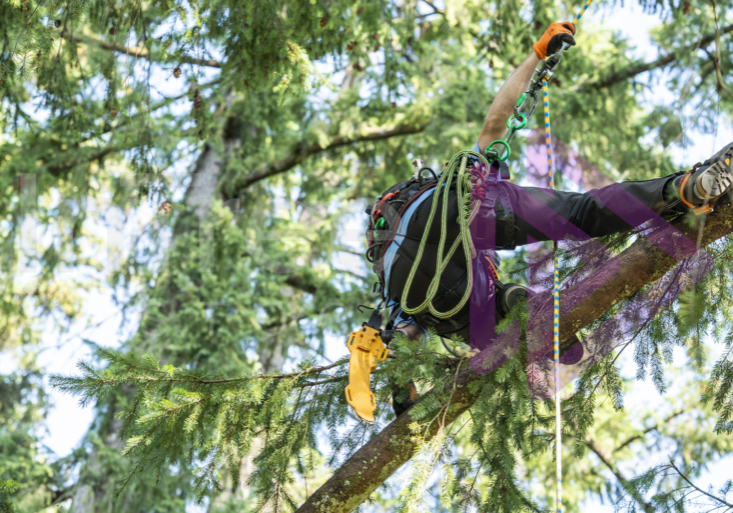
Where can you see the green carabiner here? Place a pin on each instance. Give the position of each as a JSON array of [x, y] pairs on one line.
[[520, 101], [502, 142], [521, 125]]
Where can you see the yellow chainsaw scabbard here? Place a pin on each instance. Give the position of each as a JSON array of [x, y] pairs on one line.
[[366, 349]]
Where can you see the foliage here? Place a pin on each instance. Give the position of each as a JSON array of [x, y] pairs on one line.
[[6, 489], [303, 110]]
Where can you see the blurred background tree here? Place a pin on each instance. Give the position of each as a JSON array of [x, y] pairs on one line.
[[233, 145]]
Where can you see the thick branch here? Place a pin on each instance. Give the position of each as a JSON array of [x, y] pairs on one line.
[[58, 169], [135, 51], [643, 67], [307, 150], [642, 263]]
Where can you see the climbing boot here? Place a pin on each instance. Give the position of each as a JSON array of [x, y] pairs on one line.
[[403, 398], [706, 182]]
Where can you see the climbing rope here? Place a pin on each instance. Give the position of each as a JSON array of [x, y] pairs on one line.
[[468, 207], [582, 12], [555, 312], [556, 297]]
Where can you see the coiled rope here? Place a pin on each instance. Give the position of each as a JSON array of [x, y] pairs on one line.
[[468, 207]]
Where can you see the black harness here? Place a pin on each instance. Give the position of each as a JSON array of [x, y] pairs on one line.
[[385, 215]]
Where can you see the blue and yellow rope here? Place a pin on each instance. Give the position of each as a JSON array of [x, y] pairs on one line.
[[582, 12], [556, 297], [556, 311]]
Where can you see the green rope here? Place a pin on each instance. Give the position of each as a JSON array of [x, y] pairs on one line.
[[467, 210]]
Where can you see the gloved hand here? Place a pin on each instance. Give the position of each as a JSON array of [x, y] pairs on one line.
[[553, 38]]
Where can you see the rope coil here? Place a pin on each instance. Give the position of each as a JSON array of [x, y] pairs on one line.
[[468, 185]]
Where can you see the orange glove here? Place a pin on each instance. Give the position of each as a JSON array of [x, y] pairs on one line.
[[553, 38]]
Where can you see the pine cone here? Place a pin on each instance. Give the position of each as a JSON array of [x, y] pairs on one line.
[[113, 113], [177, 72], [197, 101], [57, 23], [324, 21], [112, 31], [165, 207], [686, 8]]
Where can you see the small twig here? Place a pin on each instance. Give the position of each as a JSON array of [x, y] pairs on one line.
[[718, 69], [647, 431], [435, 8], [310, 370], [696, 488], [325, 381]]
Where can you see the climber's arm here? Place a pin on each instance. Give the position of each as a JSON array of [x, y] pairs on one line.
[[503, 105]]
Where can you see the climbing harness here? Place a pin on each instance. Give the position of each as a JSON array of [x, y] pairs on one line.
[[386, 213]]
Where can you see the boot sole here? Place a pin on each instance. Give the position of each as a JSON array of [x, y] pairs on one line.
[[717, 179]]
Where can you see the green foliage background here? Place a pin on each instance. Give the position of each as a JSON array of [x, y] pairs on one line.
[[299, 110]]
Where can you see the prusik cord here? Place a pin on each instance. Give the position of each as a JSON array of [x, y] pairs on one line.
[[467, 210]]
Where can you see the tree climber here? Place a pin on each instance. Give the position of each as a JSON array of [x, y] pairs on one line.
[[399, 218]]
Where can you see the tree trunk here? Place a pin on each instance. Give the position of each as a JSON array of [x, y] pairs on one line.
[[198, 199]]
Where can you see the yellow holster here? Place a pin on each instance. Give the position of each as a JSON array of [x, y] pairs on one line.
[[367, 348]]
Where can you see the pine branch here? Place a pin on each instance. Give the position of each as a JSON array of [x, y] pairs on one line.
[[130, 120], [640, 264], [606, 460], [92, 379], [135, 51], [58, 169], [301, 153], [717, 499], [643, 67], [648, 430]]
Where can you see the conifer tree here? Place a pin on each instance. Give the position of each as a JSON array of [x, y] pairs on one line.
[[255, 130]]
